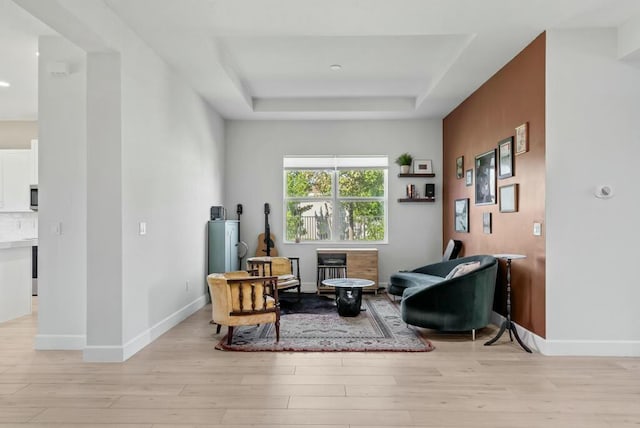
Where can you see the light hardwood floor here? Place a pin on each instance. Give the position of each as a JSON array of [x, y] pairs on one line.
[[181, 381]]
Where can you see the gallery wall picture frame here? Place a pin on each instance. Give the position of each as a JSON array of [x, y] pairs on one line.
[[422, 166], [486, 223], [468, 177], [522, 139], [505, 158], [461, 215], [485, 178], [460, 167], [509, 198]]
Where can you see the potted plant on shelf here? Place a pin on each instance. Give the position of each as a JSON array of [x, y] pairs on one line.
[[404, 160]]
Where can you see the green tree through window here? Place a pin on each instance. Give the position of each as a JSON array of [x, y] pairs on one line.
[[338, 204]]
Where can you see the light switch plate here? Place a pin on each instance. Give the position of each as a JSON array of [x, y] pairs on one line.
[[142, 228], [537, 229]]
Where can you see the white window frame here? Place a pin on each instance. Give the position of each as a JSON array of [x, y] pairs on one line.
[[335, 164]]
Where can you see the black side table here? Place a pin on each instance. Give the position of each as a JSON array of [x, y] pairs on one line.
[[348, 294], [507, 324]]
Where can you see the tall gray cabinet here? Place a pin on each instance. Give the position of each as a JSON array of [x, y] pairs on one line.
[[223, 245]]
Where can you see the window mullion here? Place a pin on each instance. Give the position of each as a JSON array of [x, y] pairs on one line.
[[334, 219]]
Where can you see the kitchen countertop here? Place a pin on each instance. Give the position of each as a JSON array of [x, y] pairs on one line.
[[17, 243]]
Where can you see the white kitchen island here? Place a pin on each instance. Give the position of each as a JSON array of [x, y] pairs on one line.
[[15, 278]]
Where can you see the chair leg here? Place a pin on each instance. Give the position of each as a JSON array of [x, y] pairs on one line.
[[277, 330], [230, 335], [219, 326], [473, 334], [299, 292]]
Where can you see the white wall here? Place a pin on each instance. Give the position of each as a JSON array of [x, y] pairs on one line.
[[593, 138], [172, 172], [168, 167], [62, 246], [254, 176]]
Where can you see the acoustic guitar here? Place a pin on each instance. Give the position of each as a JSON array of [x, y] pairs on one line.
[[266, 240]]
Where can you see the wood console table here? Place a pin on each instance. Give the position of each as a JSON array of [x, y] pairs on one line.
[[340, 262]]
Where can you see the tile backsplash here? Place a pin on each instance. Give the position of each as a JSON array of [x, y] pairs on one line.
[[18, 225]]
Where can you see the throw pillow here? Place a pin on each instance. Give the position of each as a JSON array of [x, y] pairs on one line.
[[463, 269]]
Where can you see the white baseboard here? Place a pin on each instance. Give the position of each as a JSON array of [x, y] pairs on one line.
[[593, 348], [585, 348], [60, 342], [123, 353]]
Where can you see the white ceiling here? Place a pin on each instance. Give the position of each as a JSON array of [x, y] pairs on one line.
[[18, 62], [257, 59]]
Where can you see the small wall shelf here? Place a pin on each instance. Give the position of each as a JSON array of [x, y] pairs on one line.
[[416, 175], [417, 200]]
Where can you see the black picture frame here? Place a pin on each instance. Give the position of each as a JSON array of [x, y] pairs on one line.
[[505, 158], [509, 198], [468, 177], [485, 178], [461, 215], [460, 167]]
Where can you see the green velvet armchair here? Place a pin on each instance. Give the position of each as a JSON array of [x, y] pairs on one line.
[[462, 303]]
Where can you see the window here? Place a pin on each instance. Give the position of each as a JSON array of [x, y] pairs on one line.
[[335, 199]]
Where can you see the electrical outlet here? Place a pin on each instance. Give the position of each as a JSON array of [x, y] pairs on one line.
[[142, 228]]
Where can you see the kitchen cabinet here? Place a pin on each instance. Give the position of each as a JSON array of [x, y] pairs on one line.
[[223, 246], [15, 278], [15, 178]]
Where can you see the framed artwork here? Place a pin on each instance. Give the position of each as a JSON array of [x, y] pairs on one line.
[[461, 212], [505, 158], [509, 198], [422, 166], [486, 223], [522, 138], [460, 167], [468, 177], [486, 178]]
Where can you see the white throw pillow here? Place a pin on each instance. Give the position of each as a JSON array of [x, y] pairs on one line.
[[463, 269]]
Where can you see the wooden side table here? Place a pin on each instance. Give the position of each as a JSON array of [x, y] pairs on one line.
[[507, 324]]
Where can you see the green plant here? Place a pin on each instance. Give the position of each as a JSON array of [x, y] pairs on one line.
[[298, 221], [404, 159]]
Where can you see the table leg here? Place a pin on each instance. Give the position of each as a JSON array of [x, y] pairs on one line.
[[503, 327], [507, 324]]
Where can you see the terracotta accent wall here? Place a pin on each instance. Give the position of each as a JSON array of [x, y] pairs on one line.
[[514, 95]]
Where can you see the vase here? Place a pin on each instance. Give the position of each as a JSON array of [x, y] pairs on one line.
[[404, 169]]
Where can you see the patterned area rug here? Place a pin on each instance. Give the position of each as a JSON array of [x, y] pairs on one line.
[[378, 328]]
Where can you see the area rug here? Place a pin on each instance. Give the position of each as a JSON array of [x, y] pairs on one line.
[[377, 328]]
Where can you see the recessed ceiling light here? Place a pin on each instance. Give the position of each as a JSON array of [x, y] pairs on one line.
[[37, 53], [335, 67], [4, 84]]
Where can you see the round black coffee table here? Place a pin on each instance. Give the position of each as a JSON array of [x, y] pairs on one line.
[[348, 294]]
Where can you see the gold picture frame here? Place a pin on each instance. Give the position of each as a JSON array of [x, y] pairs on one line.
[[522, 139]]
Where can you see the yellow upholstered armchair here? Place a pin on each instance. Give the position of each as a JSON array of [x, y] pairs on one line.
[[287, 269], [238, 298]]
